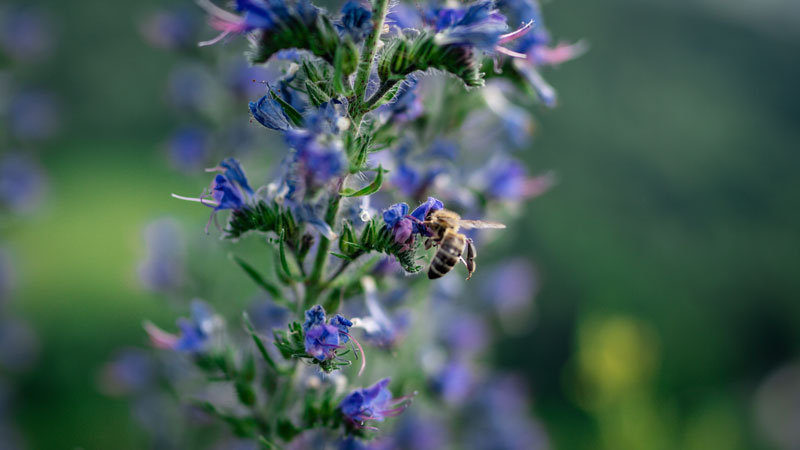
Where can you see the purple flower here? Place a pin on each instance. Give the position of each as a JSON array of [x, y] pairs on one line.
[[226, 194], [170, 29], [478, 25], [381, 330], [512, 287], [372, 403], [130, 370], [246, 81], [188, 148], [356, 21], [422, 211], [189, 87], [321, 339], [22, 183], [163, 269], [268, 112], [343, 325], [454, 382], [393, 214], [507, 179], [25, 34], [195, 333], [258, 15], [33, 116], [233, 171]]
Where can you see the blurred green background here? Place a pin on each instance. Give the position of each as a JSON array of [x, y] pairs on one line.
[[668, 252]]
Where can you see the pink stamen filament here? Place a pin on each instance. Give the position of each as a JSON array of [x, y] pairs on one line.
[[516, 34], [510, 53], [360, 349]]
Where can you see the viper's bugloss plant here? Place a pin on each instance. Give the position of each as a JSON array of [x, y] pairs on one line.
[[392, 118]]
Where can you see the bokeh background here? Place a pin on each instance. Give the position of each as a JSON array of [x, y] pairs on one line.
[[667, 314]]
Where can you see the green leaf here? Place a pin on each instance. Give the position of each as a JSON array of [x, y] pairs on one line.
[[259, 343], [341, 256], [291, 113], [367, 190], [273, 290], [292, 275], [316, 95]]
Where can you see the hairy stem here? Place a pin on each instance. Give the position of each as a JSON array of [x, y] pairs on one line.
[[379, 9], [379, 94], [314, 283]]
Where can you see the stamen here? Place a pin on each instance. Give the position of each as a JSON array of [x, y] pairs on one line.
[[363, 356], [510, 53], [521, 31], [216, 11], [213, 41], [198, 200]]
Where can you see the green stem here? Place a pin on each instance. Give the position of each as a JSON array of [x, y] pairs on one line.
[[378, 95], [379, 10], [314, 283]]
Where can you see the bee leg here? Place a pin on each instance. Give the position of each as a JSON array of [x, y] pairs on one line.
[[428, 243], [469, 261]]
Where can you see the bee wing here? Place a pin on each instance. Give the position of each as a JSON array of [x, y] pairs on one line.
[[470, 224]]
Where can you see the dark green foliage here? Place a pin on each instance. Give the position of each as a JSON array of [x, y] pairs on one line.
[[377, 237], [264, 217], [405, 55], [305, 30]]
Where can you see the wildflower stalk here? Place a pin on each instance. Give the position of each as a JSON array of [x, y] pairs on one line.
[[314, 283], [380, 8]]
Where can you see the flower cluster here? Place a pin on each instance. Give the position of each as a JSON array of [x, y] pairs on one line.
[[366, 125]]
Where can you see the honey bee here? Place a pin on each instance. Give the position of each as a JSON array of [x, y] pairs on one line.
[[444, 225]]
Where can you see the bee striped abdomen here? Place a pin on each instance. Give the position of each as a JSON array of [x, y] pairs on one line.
[[447, 256]]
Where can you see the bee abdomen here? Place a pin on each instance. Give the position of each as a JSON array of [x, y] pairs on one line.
[[445, 259]]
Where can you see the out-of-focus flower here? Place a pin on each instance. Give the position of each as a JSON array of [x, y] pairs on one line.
[[506, 179], [454, 382], [246, 81], [510, 289], [381, 330], [406, 105], [130, 370], [502, 419], [189, 148], [163, 268], [356, 21], [372, 403], [33, 116], [196, 332], [170, 29], [25, 33], [266, 316], [19, 345], [22, 183], [190, 87]]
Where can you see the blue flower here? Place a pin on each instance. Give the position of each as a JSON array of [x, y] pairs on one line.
[[226, 194], [314, 317], [188, 148], [343, 325], [195, 332], [163, 269], [394, 214], [372, 403], [479, 25], [321, 339], [233, 171], [170, 29], [258, 15], [268, 112], [22, 183], [356, 21], [25, 33], [422, 211]]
